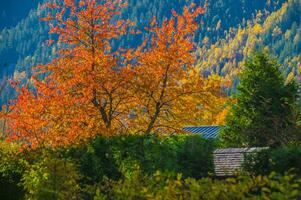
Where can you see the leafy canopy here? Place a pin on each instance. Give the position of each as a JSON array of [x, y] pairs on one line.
[[92, 89]]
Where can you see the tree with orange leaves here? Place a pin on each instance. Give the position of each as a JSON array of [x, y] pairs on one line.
[[167, 84], [87, 68], [84, 92], [90, 89]]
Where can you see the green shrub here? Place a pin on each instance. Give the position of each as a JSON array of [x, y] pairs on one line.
[[279, 160], [189, 155], [195, 157], [160, 186], [12, 167], [51, 178], [48, 174], [140, 167]]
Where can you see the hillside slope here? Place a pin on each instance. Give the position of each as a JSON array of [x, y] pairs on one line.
[[24, 46], [279, 33]]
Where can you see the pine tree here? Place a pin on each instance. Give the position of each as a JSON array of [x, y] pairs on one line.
[[266, 109]]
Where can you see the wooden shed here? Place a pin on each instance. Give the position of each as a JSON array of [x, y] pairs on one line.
[[228, 161]]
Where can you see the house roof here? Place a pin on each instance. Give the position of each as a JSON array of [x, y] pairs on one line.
[[208, 132], [228, 161], [239, 150]]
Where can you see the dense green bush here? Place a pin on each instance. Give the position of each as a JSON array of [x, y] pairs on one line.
[[140, 167], [111, 157], [279, 160], [12, 167], [51, 178], [159, 186], [74, 172], [33, 175]]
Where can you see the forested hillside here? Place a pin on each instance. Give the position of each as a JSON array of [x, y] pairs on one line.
[[21, 48], [279, 33], [25, 45], [11, 12]]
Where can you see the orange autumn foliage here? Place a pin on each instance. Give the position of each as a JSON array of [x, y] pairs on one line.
[[91, 90], [84, 93], [41, 118], [161, 69], [170, 89], [89, 72]]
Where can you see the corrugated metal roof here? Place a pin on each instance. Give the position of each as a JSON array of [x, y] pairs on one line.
[[208, 132]]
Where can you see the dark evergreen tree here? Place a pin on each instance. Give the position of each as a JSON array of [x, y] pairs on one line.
[[266, 109]]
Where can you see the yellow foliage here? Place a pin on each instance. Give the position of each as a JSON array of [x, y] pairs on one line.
[[257, 29], [290, 77]]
